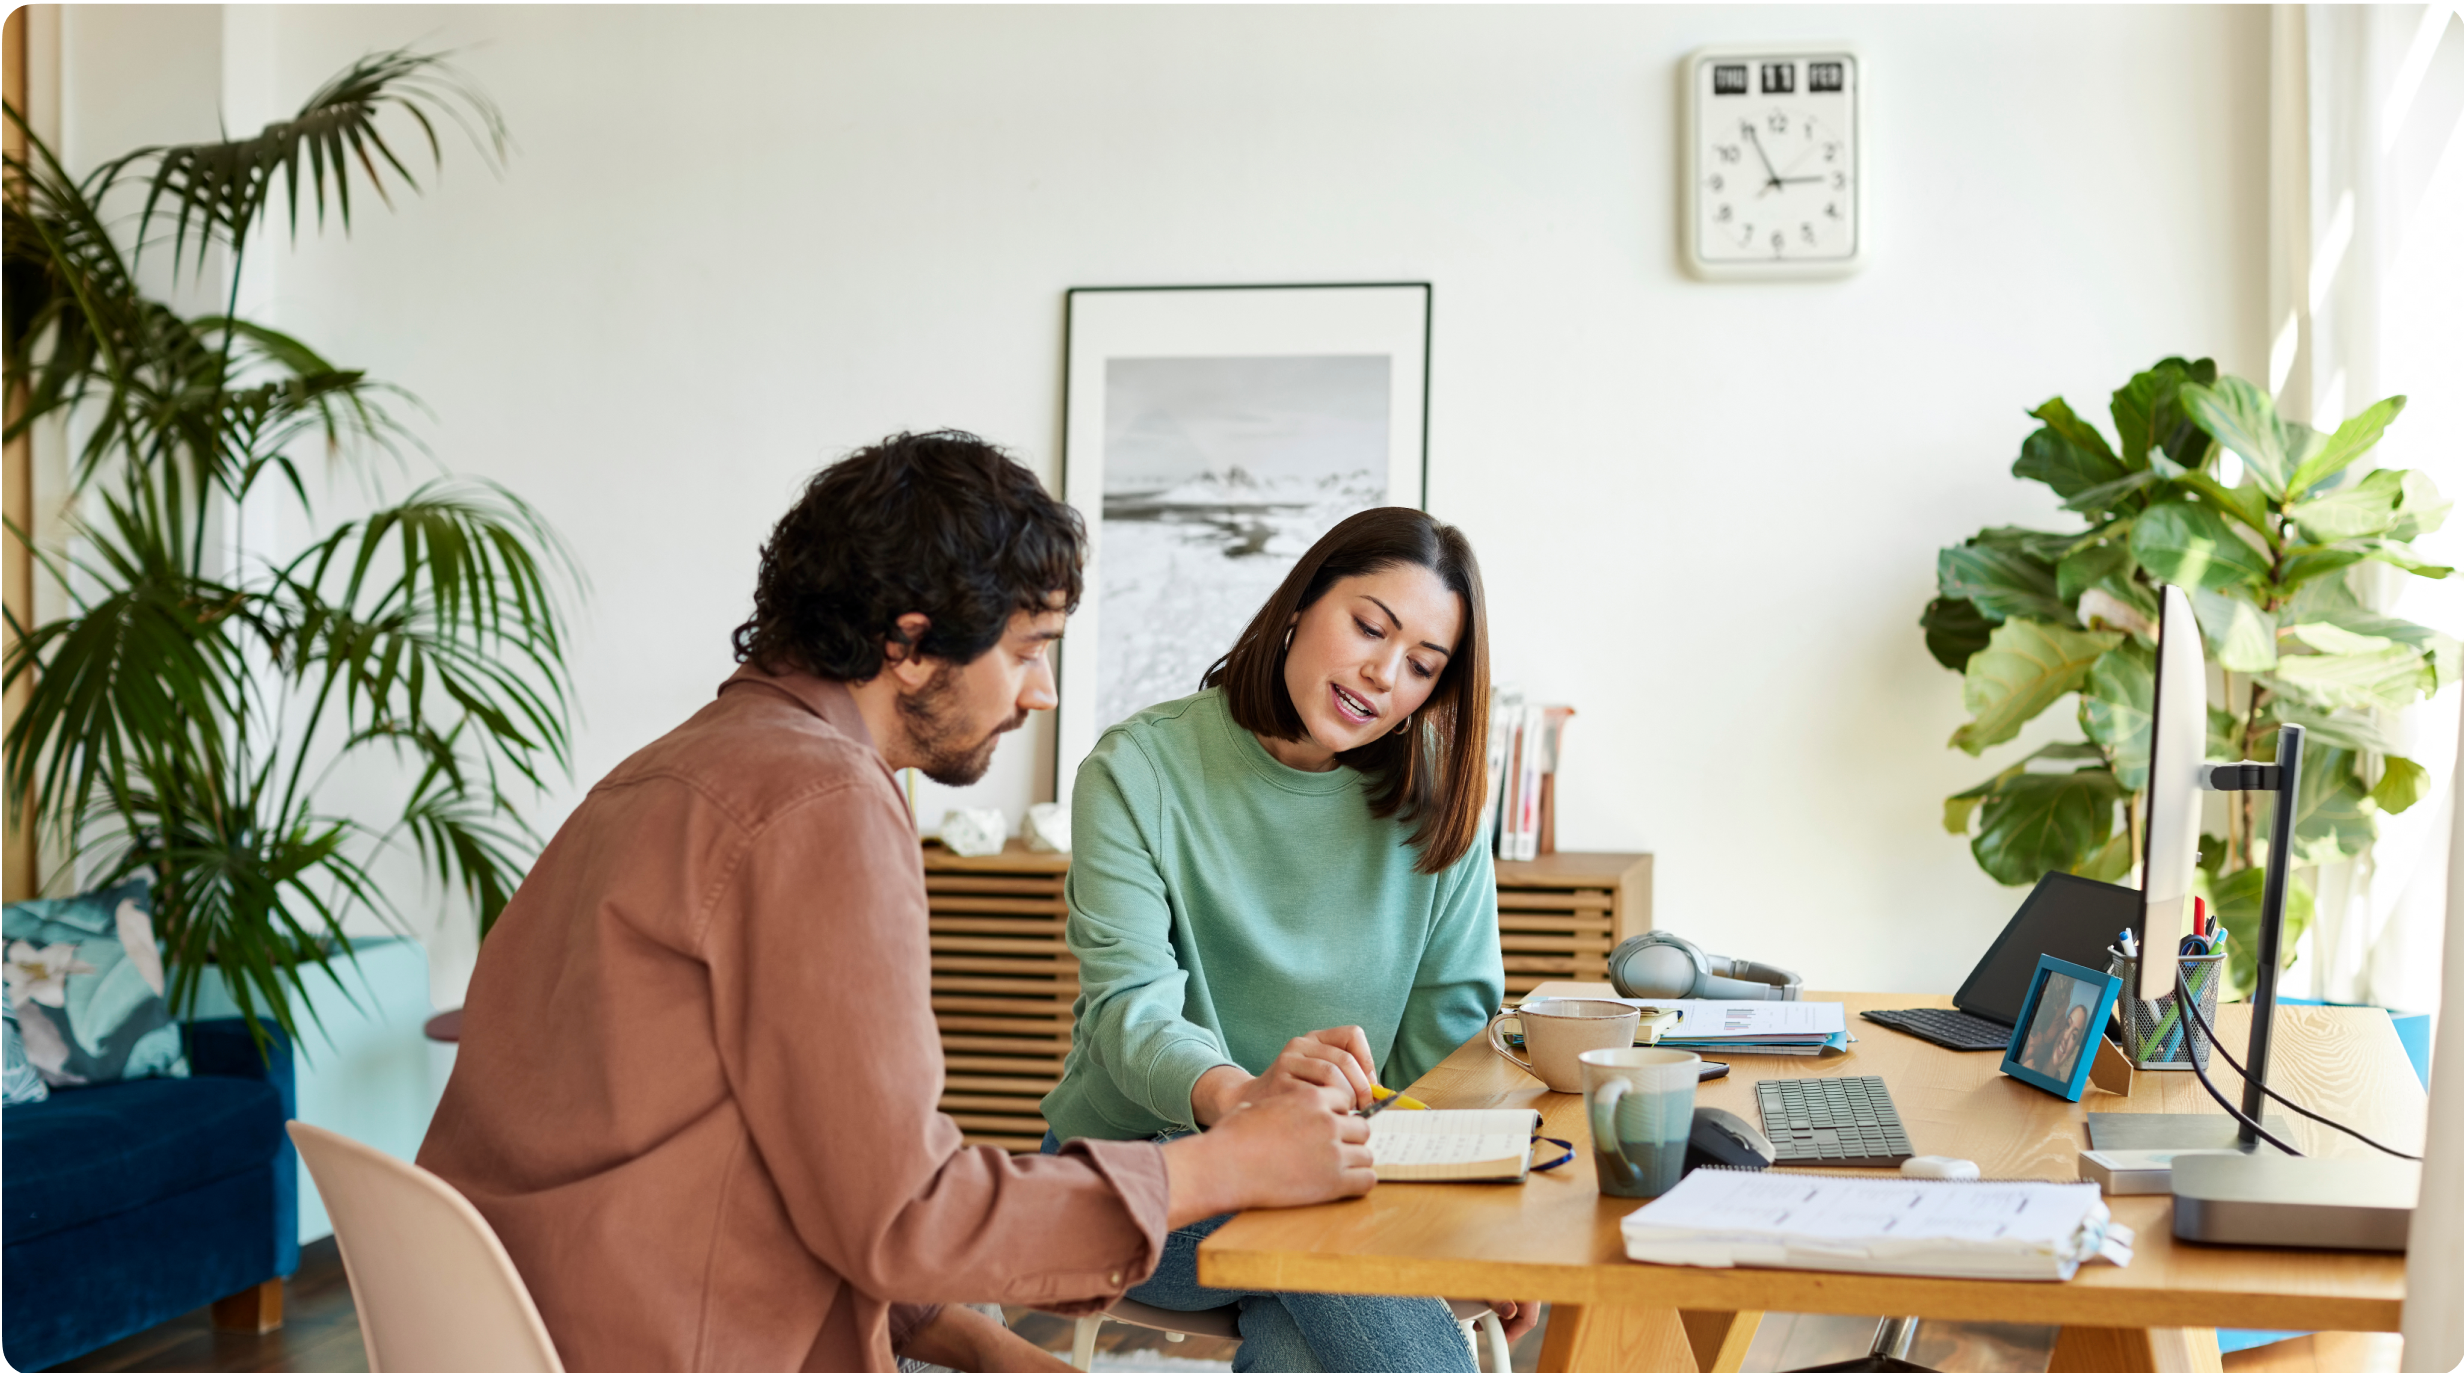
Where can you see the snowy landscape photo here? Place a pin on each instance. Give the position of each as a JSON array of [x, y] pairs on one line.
[[1218, 473]]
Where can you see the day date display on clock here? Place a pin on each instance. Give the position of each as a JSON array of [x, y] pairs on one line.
[[1773, 164]]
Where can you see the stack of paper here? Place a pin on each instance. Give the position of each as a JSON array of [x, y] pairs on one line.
[[1753, 1027], [1722, 1218]]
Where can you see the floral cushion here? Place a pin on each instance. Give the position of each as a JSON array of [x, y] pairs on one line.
[[19, 1082], [85, 983]]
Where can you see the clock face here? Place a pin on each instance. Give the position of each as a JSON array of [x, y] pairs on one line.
[[1775, 159]]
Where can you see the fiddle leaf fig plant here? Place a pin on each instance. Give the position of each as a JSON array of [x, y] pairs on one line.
[[2267, 525]]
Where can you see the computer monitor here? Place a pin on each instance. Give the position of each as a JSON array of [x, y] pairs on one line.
[[2434, 1330], [2176, 753]]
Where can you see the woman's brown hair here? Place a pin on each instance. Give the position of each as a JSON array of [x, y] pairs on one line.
[[1435, 771]]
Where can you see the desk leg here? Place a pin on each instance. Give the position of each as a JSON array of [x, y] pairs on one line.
[[1616, 1339], [2105, 1349], [1720, 1338]]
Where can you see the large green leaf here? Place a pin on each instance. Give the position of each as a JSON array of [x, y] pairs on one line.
[[2067, 454], [2352, 438], [2333, 819], [2351, 512], [1954, 631], [2115, 709], [2148, 415], [2241, 637], [2403, 783], [2353, 731], [2399, 555], [1957, 810], [2025, 667], [2445, 655], [2093, 564], [2422, 510], [2003, 583], [2235, 899], [2039, 822], [2353, 671], [2191, 545], [2242, 417]]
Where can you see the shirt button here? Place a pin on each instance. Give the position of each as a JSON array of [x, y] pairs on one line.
[[1114, 1279]]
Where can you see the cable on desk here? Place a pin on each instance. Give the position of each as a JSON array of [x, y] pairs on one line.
[[2271, 1093]]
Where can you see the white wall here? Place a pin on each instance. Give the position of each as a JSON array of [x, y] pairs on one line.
[[736, 242]]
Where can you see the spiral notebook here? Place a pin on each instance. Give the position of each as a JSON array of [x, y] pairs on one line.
[[1452, 1146], [1727, 1218]]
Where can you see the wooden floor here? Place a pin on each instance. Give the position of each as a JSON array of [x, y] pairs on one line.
[[321, 1335]]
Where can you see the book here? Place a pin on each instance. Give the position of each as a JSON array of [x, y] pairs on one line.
[[2021, 1231], [1452, 1146]]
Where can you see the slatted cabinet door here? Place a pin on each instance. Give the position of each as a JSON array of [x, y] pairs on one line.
[[1560, 914], [1003, 980], [1002, 984]]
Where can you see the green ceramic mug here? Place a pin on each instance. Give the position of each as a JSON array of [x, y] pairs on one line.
[[1640, 1103]]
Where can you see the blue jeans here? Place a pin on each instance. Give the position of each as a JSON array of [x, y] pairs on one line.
[[1308, 1332]]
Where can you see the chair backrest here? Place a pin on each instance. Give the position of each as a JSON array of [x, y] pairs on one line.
[[435, 1290]]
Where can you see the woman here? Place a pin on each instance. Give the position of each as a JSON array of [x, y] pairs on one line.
[[1278, 885]]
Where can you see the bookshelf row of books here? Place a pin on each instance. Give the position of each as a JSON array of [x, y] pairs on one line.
[[1523, 747]]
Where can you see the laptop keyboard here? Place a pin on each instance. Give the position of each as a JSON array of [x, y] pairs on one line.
[[1950, 1029], [1845, 1122]]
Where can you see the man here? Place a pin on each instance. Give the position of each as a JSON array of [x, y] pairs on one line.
[[697, 1083]]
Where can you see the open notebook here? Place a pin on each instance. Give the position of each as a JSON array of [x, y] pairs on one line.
[[1452, 1146]]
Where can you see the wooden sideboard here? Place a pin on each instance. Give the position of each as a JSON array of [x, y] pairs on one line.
[[1003, 980]]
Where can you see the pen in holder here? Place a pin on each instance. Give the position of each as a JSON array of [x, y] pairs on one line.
[[2155, 1034]]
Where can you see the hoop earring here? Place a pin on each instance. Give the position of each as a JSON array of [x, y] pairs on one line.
[[1287, 640], [1405, 727]]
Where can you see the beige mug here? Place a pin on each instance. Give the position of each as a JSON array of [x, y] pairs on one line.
[[1558, 1031]]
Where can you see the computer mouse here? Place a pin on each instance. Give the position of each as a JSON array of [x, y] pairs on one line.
[[1936, 1166], [1723, 1138]]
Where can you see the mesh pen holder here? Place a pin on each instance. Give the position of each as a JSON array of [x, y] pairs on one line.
[[2155, 1034]]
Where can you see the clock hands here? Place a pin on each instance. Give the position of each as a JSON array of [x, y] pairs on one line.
[[1768, 170]]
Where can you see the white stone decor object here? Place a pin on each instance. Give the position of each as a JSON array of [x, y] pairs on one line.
[[975, 833], [1047, 827]]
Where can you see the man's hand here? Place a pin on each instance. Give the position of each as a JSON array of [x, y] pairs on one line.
[[1332, 1063], [1288, 1150], [972, 1342]]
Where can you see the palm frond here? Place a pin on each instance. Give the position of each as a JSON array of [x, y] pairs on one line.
[[219, 191]]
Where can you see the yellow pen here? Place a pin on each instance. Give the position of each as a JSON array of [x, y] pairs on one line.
[[1385, 1096]]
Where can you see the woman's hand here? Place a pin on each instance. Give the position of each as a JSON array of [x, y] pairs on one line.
[[1518, 1317], [1332, 1063]]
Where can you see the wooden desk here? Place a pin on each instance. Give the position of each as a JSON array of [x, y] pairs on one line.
[[1555, 1238]]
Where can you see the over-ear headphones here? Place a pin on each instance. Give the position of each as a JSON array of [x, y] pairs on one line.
[[1663, 967]]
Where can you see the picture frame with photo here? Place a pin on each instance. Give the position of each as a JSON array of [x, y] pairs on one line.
[[2053, 1044], [1210, 434]]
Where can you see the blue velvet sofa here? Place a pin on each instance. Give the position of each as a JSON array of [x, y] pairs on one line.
[[124, 1205]]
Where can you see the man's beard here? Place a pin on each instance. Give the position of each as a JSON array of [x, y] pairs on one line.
[[939, 737]]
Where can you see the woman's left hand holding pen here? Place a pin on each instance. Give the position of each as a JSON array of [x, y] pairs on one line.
[[1334, 1063]]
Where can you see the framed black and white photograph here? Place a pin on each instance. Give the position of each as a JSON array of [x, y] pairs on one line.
[[1210, 435]]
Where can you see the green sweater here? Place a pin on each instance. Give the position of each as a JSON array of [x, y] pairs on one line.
[[1221, 903]]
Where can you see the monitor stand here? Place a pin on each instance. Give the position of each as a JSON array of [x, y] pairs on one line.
[[2245, 1193], [2180, 1133]]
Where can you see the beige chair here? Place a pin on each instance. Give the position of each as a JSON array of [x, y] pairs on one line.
[[1224, 1323], [435, 1291]]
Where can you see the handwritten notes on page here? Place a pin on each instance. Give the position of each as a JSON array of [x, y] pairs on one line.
[[1451, 1146]]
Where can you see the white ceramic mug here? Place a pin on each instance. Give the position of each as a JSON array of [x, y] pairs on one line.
[[1558, 1031]]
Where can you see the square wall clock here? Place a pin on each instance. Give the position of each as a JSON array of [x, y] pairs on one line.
[[1774, 162]]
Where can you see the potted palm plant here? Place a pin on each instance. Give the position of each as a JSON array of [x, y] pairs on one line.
[[188, 711]]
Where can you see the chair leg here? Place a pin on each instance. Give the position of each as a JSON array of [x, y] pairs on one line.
[[1501, 1358], [1082, 1342], [252, 1311]]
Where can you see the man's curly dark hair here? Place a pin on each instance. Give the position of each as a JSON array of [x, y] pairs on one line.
[[941, 524]]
